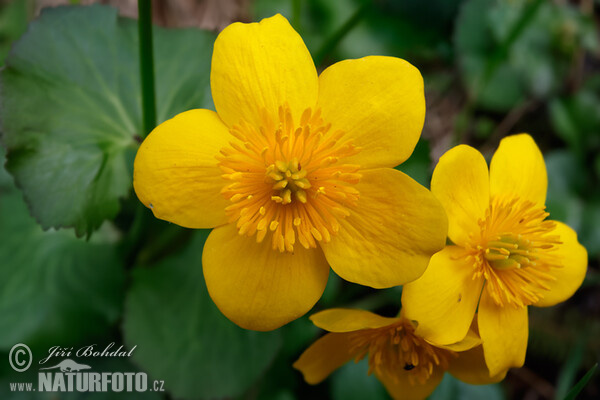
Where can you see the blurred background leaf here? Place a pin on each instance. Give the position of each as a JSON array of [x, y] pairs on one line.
[[351, 382], [453, 389], [509, 51]]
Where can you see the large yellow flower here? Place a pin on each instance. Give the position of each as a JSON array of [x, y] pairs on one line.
[[293, 171], [506, 254], [409, 366]]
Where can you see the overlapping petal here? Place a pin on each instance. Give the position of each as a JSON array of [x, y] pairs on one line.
[[504, 332], [518, 170], [470, 341], [461, 183], [324, 356], [573, 258], [176, 173], [400, 387], [443, 301], [261, 66], [259, 288], [390, 235], [470, 367], [348, 320], [379, 102]]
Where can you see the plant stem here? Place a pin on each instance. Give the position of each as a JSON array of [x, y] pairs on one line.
[[338, 35], [146, 65]]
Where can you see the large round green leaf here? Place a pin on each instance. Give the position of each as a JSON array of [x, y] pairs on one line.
[[181, 336], [71, 108], [55, 289]]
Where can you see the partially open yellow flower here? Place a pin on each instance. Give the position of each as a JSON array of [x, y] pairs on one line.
[[409, 366], [506, 256], [294, 172]]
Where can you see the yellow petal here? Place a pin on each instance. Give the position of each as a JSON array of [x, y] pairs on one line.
[[324, 356], [176, 174], [348, 320], [443, 301], [470, 341], [400, 388], [390, 235], [573, 257], [261, 66], [470, 367], [504, 332], [379, 102], [461, 183], [259, 288], [518, 170]]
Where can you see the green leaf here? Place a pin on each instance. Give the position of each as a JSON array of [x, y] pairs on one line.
[[452, 389], [565, 179], [576, 120], [475, 43], [71, 108], [184, 339], [13, 22], [569, 370], [589, 233], [6, 181], [54, 288], [351, 382], [572, 395]]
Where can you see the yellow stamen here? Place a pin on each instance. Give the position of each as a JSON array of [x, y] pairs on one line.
[[515, 251], [291, 179], [395, 349]]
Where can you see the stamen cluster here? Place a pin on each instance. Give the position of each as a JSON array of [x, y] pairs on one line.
[[289, 179], [515, 251], [395, 348]]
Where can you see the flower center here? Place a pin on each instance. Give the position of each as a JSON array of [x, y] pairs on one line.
[[509, 252], [289, 179], [515, 251], [395, 348]]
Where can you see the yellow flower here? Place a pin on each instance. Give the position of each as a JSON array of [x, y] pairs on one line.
[[409, 366], [293, 172], [506, 254]]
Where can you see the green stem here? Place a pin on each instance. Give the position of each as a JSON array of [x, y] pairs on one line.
[[338, 35], [146, 65]]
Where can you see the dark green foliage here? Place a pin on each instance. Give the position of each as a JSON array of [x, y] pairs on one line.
[[71, 110]]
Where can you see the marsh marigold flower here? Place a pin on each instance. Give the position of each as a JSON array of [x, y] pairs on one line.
[[409, 366], [506, 255], [293, 171]]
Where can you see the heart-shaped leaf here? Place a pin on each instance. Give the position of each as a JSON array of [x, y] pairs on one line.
[[54, 288], [71, 108]]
